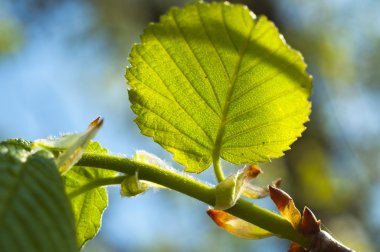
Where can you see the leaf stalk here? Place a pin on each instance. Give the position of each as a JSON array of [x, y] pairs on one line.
[[218, 170]]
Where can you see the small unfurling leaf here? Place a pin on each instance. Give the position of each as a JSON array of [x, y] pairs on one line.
[[229, 190], [131, 186], [285, 206], [71, 146], [237, 226]]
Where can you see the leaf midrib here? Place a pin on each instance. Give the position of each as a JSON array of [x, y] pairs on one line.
[[226, 107]]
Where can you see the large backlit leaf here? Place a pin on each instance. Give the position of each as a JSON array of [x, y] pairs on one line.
[[212, 80], [35, 213], [88, 207]]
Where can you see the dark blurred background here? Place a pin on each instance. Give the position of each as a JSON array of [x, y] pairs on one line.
[[62, 63]]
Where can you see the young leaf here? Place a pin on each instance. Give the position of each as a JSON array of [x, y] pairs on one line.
[[72, 145], [211, 80], [236, 226], [286, 206], [88, 207], [35, 213], [229, 190], [131, 186]]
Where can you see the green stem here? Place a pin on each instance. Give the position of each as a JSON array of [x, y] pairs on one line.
[[96, 183], [218, 170], [187, 185]]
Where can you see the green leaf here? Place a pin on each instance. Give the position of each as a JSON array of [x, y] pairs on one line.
[[212, 80], [88, 206], [35, 213]]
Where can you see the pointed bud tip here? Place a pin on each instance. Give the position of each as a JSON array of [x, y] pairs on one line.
[[279, 196], [310, 224], [97, 123]]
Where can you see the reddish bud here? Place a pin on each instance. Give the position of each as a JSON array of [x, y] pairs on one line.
[[309, 224]]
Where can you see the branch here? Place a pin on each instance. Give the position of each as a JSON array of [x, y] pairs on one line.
[[187, 185], [94, 184]]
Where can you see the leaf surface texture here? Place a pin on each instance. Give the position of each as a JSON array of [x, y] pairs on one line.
[[89, 206], [211, 80], [35, 213]]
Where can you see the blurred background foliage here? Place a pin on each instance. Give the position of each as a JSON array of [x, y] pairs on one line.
[[62, 63]]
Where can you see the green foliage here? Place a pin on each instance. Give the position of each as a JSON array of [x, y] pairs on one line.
[[208, 81], [88, 206], [212, 80], [35, 213]]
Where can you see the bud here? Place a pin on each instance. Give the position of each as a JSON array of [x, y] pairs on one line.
[[237, 226]]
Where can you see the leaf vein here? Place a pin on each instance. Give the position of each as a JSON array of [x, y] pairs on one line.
[[201, 66], [227, 30], [263, 103], [257, 144], [258, 126], [183, 108], [220, 134], [176, 128], [264, 81]]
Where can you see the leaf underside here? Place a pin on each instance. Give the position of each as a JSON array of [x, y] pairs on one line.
[[212, 80], [35, 213], [88, 207]]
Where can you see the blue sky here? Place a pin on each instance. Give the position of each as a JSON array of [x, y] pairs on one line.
[[59, 79]]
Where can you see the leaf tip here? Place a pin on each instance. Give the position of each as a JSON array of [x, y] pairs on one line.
[[285, 206], [279, 197], [97, 123], [277, 183]]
